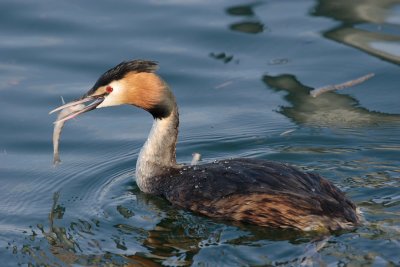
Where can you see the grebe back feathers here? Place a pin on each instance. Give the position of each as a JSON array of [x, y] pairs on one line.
[[260, 192]]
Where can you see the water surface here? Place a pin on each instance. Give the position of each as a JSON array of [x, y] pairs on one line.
[[241, 72]]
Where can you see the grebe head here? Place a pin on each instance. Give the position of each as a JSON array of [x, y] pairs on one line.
[[132, 82]]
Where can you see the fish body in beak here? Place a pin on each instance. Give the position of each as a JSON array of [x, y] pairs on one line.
[[96, 100]]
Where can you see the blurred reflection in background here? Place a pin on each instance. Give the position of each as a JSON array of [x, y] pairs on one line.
[[369, 25], [329, 109]]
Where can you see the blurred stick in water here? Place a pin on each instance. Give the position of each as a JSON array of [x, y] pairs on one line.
[[196, 158], [316, 92]]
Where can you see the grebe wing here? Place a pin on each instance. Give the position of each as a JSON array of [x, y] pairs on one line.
[[253, 190], [222, 178]]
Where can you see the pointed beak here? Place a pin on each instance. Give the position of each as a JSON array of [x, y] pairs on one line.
[[96, 100]]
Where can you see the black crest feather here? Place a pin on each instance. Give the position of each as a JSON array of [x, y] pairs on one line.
[[118, 72]]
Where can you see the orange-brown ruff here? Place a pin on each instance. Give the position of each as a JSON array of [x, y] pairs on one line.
[[255, 191]]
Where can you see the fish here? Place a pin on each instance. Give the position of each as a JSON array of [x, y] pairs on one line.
[[58, 126]]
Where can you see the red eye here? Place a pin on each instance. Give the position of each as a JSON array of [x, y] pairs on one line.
[[109, 89]]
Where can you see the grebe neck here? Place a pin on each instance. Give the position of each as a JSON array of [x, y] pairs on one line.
[[158, 154]]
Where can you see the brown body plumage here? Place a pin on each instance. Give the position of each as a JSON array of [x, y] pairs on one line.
[[255, 191], [260, 192]]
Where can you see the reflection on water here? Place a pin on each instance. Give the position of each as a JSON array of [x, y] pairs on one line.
[[62, 246], [222, 56], [242, 10], [251, 24], [371, 26], [247, 27], [328, 109], [176, 239], [70, 244]]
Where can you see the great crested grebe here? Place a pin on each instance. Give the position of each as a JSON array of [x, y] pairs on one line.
[[260, 192]]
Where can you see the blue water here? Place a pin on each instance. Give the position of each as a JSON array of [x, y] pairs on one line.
[[241, 72]]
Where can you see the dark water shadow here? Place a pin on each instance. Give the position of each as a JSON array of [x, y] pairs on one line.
[[222, 57], [250, 24], [247, 27], [365, 25], [329, 109]]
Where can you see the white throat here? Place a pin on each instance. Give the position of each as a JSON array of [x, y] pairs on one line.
[[157, 155]]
